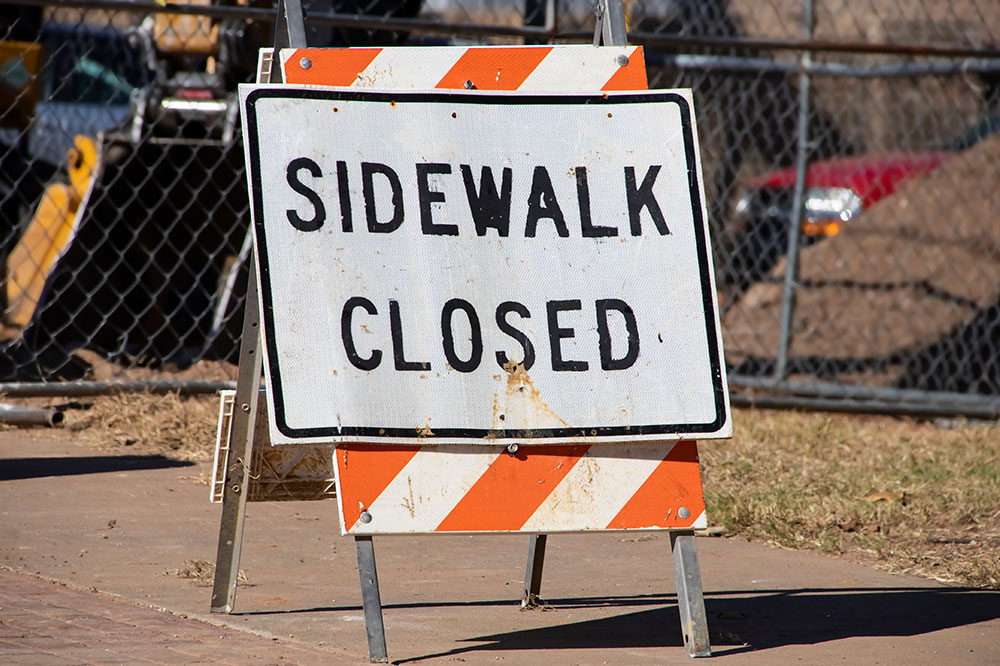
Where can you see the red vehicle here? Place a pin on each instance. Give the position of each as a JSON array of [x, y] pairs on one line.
[[837, 190]]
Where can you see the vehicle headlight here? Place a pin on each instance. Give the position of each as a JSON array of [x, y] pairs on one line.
[[741, 211], [826, 209]]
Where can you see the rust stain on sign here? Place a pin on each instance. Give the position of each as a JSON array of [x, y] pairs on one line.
[[521, 404]]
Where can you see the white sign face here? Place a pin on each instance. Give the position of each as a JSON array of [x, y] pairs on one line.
[[483, 267]]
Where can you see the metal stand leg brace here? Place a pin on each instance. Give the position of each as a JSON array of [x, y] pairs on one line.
[[289, 32], [234, 498], [690, 599], [533, 572], [374, 627]]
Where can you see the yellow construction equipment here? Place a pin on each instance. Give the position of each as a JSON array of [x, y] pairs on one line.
[[30, 261]]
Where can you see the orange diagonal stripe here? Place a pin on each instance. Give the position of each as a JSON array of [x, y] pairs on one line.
[[512, 488], [675, 482], [330, 67], [494, 68], [630, 77], [364, 471]]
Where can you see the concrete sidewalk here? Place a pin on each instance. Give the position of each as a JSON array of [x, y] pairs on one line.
[[128, 535]]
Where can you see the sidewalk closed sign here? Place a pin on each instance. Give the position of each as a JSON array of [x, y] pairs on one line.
[[483, 268]]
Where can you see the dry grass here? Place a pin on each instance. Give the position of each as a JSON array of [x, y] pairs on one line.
[[202, 572], [905, 496], [182, 428]]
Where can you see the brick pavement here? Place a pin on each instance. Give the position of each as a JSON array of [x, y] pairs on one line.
[[46, 623]]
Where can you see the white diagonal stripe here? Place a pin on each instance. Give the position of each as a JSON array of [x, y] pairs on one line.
[[409, 67], [576, 68], [597, 487], [427, 489]]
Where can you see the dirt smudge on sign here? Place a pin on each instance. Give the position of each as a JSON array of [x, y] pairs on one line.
[[409, 503]]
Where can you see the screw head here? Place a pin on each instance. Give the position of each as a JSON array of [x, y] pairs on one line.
[[366, 517], [683, 512], [469, 85], [512, 448], [305, 63], [622, 60]]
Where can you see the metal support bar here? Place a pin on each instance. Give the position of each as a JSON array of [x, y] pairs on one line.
[[436, 26], [613, 23], [290, 27], [533, 572], [234, 497], [760, 65], [690, 598], [88, 389], [370, 600], [795, 225], [861, 399]]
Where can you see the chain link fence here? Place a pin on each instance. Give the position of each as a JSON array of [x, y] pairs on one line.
[[850, 150]]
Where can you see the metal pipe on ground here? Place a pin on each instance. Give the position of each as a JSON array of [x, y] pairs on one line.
[[25, 416]]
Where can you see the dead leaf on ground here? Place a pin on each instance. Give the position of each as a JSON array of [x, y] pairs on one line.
[[850, 526], [885, 497]]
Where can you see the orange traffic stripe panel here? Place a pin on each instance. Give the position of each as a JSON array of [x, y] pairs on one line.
[[372, 468], [512, 488], [330, 67], [494, 68], [630, 77], [675, 482]]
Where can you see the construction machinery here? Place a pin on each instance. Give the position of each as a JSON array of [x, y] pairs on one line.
[[135, 249]]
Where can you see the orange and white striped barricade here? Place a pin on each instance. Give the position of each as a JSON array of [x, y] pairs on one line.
[[426, 306]]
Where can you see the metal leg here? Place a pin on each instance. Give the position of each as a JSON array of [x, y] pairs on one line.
[[370, 599], [289, 32], [533, 572], [234, 500], [690, 599]]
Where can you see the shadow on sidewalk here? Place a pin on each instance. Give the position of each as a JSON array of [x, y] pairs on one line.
[[34, 468], [756, 620]]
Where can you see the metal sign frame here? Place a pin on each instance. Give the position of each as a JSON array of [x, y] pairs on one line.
[[290, 32]]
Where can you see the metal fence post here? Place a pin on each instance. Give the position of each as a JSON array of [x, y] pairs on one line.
[[795, 224]]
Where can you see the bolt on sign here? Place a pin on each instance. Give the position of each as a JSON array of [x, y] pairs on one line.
[[482, 268]]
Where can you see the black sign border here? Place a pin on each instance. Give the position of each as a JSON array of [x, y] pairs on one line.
[[369, 433]]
